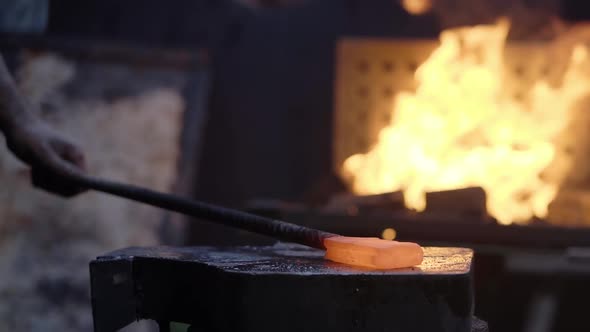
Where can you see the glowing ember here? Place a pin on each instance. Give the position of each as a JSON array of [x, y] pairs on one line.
[[373, 252], [417, 7], [464, 127], [388, 234]]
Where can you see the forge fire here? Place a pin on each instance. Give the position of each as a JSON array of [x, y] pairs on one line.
[[467, 125]]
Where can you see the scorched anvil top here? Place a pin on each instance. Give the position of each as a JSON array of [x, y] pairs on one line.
[[279, 288]]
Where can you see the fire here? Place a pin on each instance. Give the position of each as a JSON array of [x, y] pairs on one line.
[[464, 127]]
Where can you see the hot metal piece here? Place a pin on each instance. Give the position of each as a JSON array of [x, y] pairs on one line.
[[373, 252]]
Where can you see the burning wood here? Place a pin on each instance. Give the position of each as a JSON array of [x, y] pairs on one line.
[[349, 203], [466, 202], [570, 208]]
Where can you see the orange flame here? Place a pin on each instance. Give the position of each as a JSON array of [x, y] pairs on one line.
[[463, 127]]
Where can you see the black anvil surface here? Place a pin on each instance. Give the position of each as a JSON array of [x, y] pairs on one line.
[[279, 288]]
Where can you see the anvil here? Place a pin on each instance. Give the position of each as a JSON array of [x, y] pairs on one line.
[[279, 288]]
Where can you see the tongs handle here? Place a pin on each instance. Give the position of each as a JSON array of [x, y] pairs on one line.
[[229, 217]]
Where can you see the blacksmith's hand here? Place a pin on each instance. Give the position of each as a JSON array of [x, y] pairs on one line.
[[51, 156]]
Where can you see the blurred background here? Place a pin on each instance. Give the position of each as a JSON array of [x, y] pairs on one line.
[[446, 122]]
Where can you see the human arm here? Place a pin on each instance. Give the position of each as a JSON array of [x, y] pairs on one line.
[[34, 142]]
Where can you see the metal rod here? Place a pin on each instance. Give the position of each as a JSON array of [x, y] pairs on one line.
[[221, 215]]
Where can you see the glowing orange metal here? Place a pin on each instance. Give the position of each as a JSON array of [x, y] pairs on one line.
[[373, 252]]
